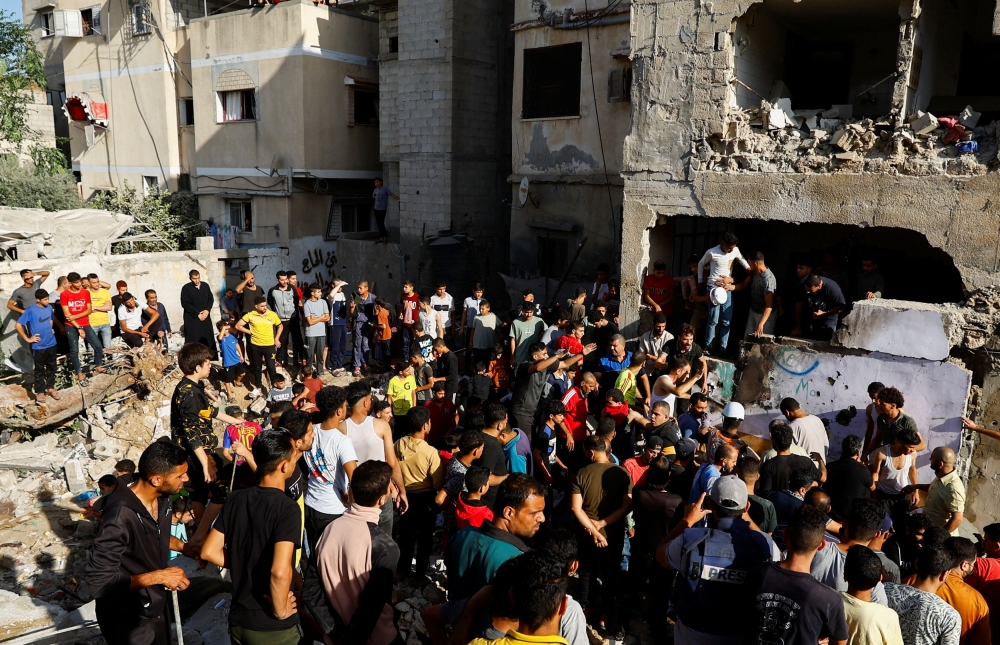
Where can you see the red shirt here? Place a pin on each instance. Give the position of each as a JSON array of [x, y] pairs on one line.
[[442, 419], [576, 412], [636, 470], [76, 303], [471, 514], [314, 385], [985, 578], [570, 344], [410, 305], [660, 290]]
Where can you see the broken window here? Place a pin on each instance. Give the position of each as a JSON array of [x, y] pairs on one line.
[[185, 108], [91, 19], [552, 255], [45, 20], [355, 218], [240, 215], [365, 107], [551, 82], [238, 105], [818, 54]]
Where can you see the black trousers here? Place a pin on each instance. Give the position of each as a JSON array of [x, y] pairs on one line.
[[316, 523], [45, 368], [416, 532], [259, 357], [119, 627], [380, 222], [600, 563]]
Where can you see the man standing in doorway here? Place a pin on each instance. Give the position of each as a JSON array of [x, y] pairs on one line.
[[719, 262], [197, 301], [820, 311], [763, 287], [381, 196]]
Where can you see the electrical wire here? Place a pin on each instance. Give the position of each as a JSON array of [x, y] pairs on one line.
[[597, 115]]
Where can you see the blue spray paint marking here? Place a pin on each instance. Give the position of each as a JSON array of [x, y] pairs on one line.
[[791, 361]]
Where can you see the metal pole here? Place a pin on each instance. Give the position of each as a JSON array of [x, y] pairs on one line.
[[177, 617]]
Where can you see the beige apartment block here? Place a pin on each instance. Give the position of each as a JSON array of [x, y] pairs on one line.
[[571, 105]]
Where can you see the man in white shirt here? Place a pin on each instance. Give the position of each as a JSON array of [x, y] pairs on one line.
[[808, 430], [719, 262], [444, 307], [654, 342]]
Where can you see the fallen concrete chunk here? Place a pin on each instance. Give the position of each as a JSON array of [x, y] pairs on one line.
[[842, 139], [902, 328], [925, 123], [19, 614], [969, 117]]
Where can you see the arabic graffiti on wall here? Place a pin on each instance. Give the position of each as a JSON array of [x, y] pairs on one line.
[[319, 266]]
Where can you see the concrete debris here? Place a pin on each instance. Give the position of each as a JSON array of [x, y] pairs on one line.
[[932, 330], [776, 139], [19, 614]]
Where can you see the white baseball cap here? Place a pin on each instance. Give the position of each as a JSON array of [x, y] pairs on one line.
[[718, 296], [734, 410]]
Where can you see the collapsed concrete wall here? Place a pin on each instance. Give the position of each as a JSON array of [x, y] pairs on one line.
[[826, 381], [685, 118]]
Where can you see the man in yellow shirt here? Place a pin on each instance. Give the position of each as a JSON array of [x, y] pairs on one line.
[[401, 391], [100, 300], [259, 325], [868, 623], [423, 475], [540, 600]]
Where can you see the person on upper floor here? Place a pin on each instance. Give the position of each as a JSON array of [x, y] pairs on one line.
[[816, 317], [763, 287], [718, 264], [658, 290], [869, 284]]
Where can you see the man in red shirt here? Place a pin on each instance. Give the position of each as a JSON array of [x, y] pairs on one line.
[[985, 576], [409, 305], [575, 402], [658, 289], [637, 466], [76, 306], [444, 414]]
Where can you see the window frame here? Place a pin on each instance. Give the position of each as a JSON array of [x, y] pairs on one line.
[[245, 208], [354, 107], [532, 71], [146, 22], [221, 102], [46, 21], [182, 111], [95, 26], [546, 256]]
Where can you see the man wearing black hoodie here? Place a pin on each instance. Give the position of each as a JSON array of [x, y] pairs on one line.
[[128, 572]]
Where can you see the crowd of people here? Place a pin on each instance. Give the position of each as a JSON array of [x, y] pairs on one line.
[[539, 458]]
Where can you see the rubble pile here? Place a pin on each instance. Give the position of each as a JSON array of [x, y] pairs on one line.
[[776, 139], [982, 319]]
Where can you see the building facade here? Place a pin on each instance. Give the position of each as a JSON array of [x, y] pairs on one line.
[[571, 110]]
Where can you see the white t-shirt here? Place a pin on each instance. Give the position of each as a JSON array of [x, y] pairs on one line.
[[720, 264], [328, 480], [427, 319], [471, 310], [443, 307], [809, 433], [133, 319]]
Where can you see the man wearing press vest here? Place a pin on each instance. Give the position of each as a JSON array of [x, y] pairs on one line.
[[713, 564]]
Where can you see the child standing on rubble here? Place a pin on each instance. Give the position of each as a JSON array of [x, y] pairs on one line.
[[232, 359]]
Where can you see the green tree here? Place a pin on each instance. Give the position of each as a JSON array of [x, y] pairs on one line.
[[29, 186], [173, 217], [21, 68]]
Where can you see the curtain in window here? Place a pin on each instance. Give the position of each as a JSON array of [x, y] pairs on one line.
[[233, 105]]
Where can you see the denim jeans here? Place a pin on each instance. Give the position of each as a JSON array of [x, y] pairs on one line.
[[314, 352], [104, 333], [73, 335], [361, 346], [721, 315], [337, 345]]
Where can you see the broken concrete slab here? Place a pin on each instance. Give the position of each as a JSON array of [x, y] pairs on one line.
[[20, 614], [969, 117], [925, 123], [902, 328]]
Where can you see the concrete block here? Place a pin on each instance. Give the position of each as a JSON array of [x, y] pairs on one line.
[[900, 328], [76, 481], [969, 117], [925, 123], [107, 450], [205, 243], [842, 139]]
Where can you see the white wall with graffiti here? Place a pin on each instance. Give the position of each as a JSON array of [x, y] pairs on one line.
[[313, 259], [827, 382]]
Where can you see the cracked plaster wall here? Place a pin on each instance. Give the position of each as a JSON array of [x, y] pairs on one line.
[[683, 61]]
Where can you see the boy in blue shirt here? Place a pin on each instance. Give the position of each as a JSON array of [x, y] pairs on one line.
[[232, 358], [35, 328]]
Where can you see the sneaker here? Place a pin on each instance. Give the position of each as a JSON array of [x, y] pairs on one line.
[[254, 393]]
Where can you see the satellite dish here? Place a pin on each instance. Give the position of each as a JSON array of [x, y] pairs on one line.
[[522, 193]]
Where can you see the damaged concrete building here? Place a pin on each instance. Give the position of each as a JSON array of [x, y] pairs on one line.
[[861, 128]]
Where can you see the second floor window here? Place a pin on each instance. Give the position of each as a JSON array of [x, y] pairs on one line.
[[238, 105], [48, 27]]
